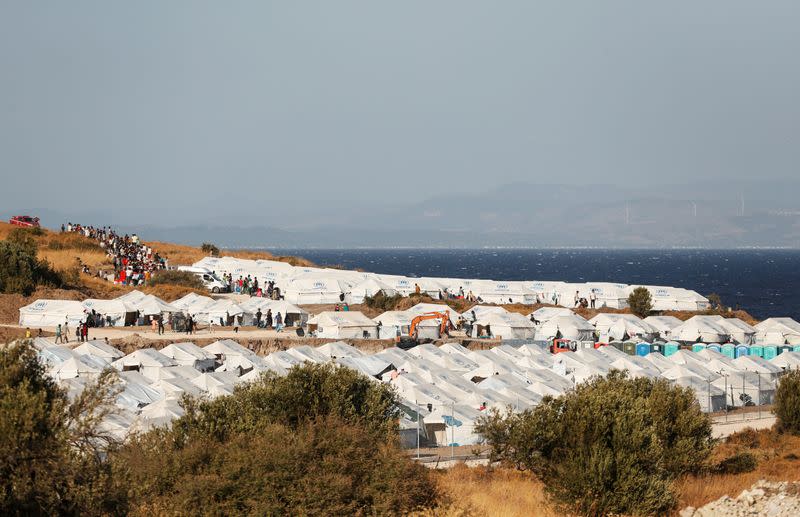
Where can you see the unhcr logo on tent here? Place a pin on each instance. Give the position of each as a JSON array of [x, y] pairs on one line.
[[319, 285], [503, 287], [662, 293], [39, 306], [403, 282]]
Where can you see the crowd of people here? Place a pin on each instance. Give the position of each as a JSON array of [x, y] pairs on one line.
[[134, 261], [250, 286]]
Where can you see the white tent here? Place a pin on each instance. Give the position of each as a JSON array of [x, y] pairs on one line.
[[505, 326], [147, 361], [778, 331], [120, 312], [570, 326], [50, 313], [504, 292], [147, 305], [368, 287], [664, 324], [738, 330], [311, 289], [700, 329], [547, 313], [189, 354], [622, 327], [98, 348], [343, 325], [614, 296], [480, 311], [193, 304], [674, 298], [337, 349], [291, 313], [224, 311], [398, 323]]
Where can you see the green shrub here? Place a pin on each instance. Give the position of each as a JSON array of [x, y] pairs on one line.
[[314, 442], [50, 448], [611, 445], [739, 463], [382, 302], [304, 394], [640, 301], [209, 248], [174, 277], [20, 270], [787, 403]]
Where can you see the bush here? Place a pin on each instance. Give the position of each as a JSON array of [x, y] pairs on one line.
[[787, 403], [209, 248], [640, 301], [73, 241], [611, 445], [314, 442], [50, 449], [304, 394], [739, 463], [382, 302], [20, 270], [174, 277]]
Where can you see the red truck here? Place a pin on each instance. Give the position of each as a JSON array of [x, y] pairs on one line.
[[25, 220]]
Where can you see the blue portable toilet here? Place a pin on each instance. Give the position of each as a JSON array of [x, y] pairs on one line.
[[642, 349], [698, 347], [714, 347], [757, 350], [670, 348], [742, 351], [728, 350], [770, 351]]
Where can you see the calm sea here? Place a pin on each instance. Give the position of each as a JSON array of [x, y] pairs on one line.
[[764, 282]]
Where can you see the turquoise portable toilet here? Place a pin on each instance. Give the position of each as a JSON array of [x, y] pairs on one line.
[[715, 347], [642, 349], [770, 352], [742, 351], [784, 348], [728, 350], [657, 348], [796, 348], [698, 347], [670, 348], [757, 350]]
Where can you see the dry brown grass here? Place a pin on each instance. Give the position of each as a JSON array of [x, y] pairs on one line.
[[492, 491], [778, 460]]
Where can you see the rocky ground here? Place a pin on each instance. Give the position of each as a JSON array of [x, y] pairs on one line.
[[763, 498]]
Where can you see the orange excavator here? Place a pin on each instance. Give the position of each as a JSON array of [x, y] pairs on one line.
[[412, 339]]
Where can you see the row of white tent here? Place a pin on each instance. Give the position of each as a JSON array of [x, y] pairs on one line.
[[542, 324], [122, 310], [307, 285], [445, 389]]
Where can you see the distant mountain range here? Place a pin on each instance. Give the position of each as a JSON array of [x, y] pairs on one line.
[[701, 214]]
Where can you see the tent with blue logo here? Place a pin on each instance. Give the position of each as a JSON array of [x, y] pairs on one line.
[[49, 313]]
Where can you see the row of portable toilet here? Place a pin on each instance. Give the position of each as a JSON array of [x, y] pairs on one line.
[[730, 350]]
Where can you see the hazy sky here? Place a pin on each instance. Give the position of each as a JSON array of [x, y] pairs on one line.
[[166, 106]]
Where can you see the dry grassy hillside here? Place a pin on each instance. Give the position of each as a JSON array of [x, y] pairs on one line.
[[180, 254]]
